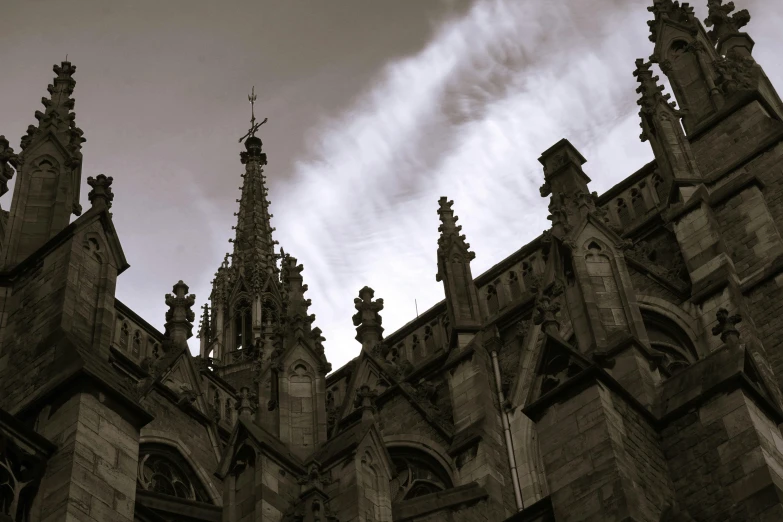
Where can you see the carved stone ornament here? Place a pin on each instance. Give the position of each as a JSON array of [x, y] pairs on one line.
[[721, 20], [726, 327], [734, 73]]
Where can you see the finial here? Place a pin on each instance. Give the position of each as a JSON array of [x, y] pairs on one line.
[[253, 125], [367, 318], [101, 193], [724, 23], [727, 327], [180, 316]]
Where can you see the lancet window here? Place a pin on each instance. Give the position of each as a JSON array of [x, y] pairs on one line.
[[136, 346], [243, 324], [124, 336]]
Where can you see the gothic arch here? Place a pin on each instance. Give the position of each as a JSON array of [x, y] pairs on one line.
[[94, 247], [423, 444], [669, 336], [241, 321], [308, 368], [164, 438], [165, 470], [685, 321], [416, 473]]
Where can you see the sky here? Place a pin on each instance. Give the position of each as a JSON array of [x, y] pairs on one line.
[[376, 109]]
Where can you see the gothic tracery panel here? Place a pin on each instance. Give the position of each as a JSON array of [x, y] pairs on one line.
[[416, 474], [163, 470]]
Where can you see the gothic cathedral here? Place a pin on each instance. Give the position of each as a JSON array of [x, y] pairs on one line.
[[625, 365]]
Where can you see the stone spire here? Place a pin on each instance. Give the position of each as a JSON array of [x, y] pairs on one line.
[[660, 122], [367, 318], [686, 56], [451, 242], [454, 259], [58, 115], [254, 254], [180, 316], [50, 150]]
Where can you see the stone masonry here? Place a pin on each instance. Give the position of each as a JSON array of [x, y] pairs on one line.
[[625, 365]]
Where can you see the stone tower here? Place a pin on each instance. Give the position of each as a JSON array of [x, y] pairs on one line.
[[624, 365]]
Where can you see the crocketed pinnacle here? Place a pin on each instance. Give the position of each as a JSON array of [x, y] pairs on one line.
[[451, 243], [721, 20], [254, 254], [58, 115], [204, 325], [670, 10], [652, 96]]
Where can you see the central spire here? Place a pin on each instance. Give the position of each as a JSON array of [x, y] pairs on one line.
[[254, 253]]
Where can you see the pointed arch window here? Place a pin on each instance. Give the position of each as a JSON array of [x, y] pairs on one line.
[[136, 346], [269, 313], [669, 342], [513, 284], [637, 202], [416, 474], [493, 304], [429, 339], [243, 324], [124, 336], [163, 470]]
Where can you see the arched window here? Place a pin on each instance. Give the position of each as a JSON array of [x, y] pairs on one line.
[[660, 187], [513, 285], [429, 339], [136, 347], [124, 336], [637, 202], [623, 214], [243, 324], [269, 313], [670, 342], [492, 300], [416, 474], [163, 470]]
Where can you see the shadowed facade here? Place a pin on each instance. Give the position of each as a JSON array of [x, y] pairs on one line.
[[623, 366]]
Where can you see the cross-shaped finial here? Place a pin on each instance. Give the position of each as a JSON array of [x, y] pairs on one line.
[[253, 125]]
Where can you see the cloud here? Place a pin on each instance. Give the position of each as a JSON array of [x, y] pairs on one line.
[[466, 117]]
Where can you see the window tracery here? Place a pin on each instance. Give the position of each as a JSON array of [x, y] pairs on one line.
[[670, 342], [163, 470], [416, 474]]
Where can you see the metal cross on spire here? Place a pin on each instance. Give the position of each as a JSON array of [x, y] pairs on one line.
[[253, 125]]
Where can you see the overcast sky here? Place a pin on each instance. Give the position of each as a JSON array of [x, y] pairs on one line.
[[376, 109]]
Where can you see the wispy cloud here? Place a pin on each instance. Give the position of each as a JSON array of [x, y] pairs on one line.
[[466, 117]]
